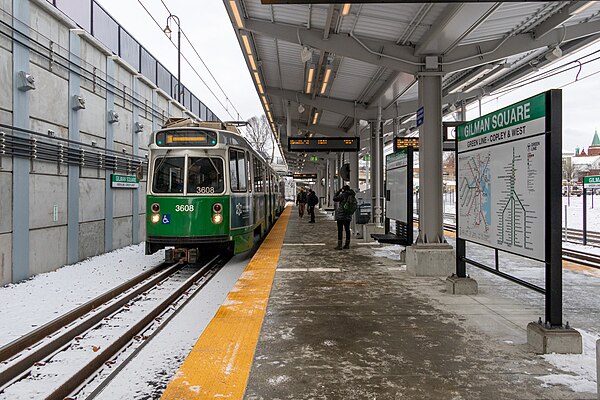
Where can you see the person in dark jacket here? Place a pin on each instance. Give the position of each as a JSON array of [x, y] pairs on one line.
[[342, 217], [301, 202], [312, 200]]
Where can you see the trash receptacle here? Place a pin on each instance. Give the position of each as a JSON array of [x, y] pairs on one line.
[[363, 213]]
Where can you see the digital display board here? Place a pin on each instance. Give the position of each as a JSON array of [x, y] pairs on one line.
[[304, 176], [313, 144], [186, 138], [404, 142]]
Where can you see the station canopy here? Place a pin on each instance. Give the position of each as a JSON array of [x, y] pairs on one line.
[[328, 65]]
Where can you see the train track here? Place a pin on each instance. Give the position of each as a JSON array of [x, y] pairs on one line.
[[46, 357], [580, 257], [571, 235]]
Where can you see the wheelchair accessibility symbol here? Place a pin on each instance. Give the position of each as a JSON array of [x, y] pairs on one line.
[[166, 218]]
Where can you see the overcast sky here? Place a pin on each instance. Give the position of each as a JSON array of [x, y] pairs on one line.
[[207, 25]]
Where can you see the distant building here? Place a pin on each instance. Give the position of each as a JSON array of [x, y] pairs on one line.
[[593, 149], [586, 163]]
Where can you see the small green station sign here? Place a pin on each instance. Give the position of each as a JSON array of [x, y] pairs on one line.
[[124, 181], [591, 182]]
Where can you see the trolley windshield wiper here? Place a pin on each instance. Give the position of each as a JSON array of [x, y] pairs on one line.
[[214, 166], [162, 161]]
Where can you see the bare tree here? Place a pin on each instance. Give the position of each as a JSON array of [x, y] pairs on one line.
[[260, 137], [570, 170]]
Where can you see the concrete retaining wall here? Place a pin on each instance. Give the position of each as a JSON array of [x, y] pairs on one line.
[[51, 227]]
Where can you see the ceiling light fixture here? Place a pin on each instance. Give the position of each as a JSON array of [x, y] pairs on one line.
[[315, 118], [309, 80], [326, 78], [583, 7], [346, 9], [236, 14]]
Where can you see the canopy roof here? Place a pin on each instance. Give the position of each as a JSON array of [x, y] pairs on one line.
[[360, 56]]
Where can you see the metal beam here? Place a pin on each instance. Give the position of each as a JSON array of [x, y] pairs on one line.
[[565, 13], [342, 107], [388, 54], [469, 56], [457, 21]]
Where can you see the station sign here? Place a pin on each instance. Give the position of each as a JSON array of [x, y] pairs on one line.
[[420, 116], [591, 182], [124, 181], [404, 142], [313, 144], [304, 176]]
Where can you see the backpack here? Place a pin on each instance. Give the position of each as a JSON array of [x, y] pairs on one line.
[[302, 197], [312, 199], [350, 205]]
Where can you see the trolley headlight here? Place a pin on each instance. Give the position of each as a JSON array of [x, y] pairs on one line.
[[217, 207], [155, 207], [155, 218], [217, 218]]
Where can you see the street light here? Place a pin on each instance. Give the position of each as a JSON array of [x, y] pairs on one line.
[[168, 31]]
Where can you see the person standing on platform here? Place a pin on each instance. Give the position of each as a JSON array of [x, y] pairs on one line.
[[346, 199], [301, 202], [312, 201]]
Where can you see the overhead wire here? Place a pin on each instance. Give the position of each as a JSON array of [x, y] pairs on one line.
[[188, 62], [203, 63]]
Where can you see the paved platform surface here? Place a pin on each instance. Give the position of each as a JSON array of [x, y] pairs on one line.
[[342, 324]]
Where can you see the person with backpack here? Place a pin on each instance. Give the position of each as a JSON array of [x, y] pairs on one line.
[[301, 201], [312, 201], [343, 213]]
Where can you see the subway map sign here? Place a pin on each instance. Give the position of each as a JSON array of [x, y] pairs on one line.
[[501, 178]]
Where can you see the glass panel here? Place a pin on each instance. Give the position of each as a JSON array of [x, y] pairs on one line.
[[205, 175], [195, 105], [202, 112], [163, 78], [243, 174], [233, 169], [168, 175], [130, 49], [79, 11], [185, 98], [148, 65], [105, 28]]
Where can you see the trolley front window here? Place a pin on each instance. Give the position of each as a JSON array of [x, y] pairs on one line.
[[205, 175], [168, 175]]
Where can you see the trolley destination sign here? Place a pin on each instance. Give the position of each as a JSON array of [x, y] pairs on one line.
[[346, 144]]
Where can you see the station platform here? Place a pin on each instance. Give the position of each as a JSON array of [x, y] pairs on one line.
[[306, 321]]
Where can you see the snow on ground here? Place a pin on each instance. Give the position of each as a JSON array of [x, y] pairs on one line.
[[150, 371], [38, 300], [581, 306], [581, 367]]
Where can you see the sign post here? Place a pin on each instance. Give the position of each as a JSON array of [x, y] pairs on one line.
[[591, 182]]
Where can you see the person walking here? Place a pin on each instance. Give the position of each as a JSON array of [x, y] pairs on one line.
[[312, 201], [346, 199], [301, 202]]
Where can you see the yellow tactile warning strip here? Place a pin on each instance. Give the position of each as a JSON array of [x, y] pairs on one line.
[[584, 269], [219, 364]]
